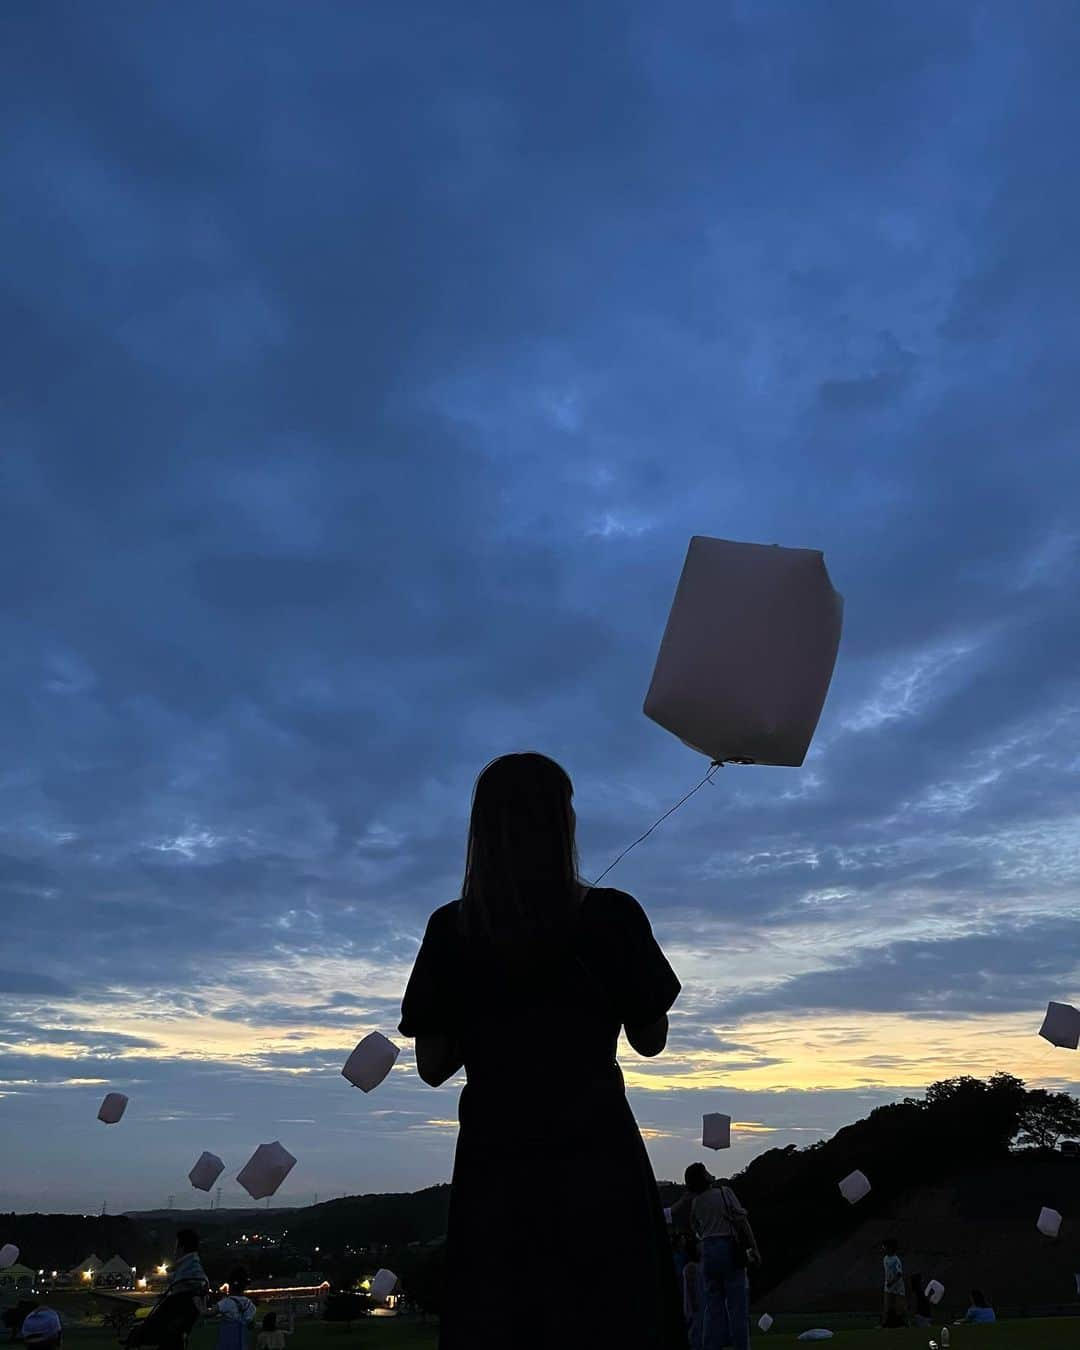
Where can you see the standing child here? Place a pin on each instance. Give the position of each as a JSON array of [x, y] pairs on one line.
[[269, 1337], [693, 1283], [894, 1312]]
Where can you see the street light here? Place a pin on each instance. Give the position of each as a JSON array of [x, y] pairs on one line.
[[163, 1269]]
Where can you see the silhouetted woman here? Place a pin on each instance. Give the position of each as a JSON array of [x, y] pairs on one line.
[[526, 981]]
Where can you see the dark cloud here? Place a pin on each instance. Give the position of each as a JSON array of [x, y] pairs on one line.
[[1007, 969]]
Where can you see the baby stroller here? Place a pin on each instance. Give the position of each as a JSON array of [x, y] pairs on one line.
[[169, 1324]]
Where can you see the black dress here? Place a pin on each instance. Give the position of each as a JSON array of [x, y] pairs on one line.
[[556, 1237]]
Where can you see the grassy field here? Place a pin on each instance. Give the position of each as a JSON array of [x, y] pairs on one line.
[[388, 1333]]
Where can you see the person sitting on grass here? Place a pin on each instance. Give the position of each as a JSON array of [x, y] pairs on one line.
[[980, 1310]]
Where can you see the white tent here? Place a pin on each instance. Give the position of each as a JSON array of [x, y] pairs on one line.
[[116, 1265]]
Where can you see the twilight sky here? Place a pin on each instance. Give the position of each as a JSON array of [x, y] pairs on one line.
[[368, 369]]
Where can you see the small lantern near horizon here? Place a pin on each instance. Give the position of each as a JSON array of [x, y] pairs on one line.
[[9, 1254], [935, 1291], [370, 1062], [716, 1130], [112, 1108], [1049, 1222], [855, 1187], [764, 1322], [1061, 1025]]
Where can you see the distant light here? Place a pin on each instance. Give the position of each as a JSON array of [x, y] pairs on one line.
[[163, 1269], [54, 1274], [133, 1270], [86, 1274], [142, 1283]]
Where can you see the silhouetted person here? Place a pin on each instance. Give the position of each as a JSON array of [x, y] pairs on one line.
[[181, 1304], [235, 1313], [727, 1246], [526, 981], [693, 1287], [922, 1308], [980, 1310], [270, 1337]]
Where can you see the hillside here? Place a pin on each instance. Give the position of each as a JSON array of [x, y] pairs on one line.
[[977, 1228]]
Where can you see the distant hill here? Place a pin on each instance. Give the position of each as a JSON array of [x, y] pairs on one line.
[[946, 1179], [973, 1229]]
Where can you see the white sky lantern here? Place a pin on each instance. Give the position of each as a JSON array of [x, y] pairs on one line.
[[383, 1284], [935, 1291], [206, 1171], [764, 1322], [112, 1108], [748, 652], [265, 1170], [716, 1130], [855, 1187], [1061, 1025], [9, 1254], [1049, 1222], [370, 1062]]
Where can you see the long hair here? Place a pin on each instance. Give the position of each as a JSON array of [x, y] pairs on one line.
[[521, 866]]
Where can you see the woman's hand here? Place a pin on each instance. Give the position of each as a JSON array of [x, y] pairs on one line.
[[437, 1058], [651, 1039]]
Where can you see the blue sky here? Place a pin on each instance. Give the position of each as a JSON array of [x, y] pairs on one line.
[[369, 371]]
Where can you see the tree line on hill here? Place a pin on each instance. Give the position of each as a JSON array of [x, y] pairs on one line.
[[959, 1124], [791, 1193]]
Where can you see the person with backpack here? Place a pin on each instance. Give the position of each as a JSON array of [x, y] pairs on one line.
[[728, 1248], [235, 1313]]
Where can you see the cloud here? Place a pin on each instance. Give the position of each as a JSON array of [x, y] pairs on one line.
[[1007, 969]]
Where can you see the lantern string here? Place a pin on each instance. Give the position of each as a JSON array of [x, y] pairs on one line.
[[713, 768]]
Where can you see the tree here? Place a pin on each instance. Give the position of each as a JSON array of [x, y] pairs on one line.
[[1046, 1118]]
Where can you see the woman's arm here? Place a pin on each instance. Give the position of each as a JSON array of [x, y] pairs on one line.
[[437, 1058], [649, 1040]]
